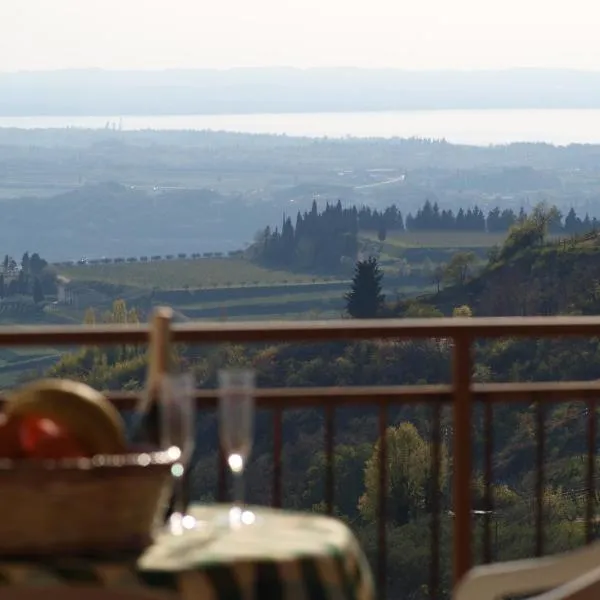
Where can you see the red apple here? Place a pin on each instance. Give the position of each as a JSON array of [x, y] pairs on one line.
[[10, 442], [45, 438]]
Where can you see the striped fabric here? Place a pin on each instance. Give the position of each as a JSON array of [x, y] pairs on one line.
[[285, 556]]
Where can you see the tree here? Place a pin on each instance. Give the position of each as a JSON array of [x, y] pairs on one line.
[[381, 232], [542, 217], [38, 293], [90, 317], [572, 222], [348, 464], [25, 263], [438, 276], [416, 310], [22, 282], [409, 481], [36, 264], [119, 312], [529, 231], [493, 254], [12, 289], [459, 267], [462, 311], [365, 298]]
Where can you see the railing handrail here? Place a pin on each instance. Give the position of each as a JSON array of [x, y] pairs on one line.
[[377, 396], [307, 331]]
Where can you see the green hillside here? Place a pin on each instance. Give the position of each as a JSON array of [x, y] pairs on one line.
[[556, 278]]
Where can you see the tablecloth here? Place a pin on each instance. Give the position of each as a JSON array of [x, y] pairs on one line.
[[286, 555]]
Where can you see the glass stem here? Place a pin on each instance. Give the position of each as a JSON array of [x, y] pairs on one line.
[[179, 500], [238, 489]]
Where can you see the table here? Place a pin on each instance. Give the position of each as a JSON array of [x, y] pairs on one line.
[[286, 556]]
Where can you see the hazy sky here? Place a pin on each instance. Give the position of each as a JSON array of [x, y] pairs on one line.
[[413, 34]]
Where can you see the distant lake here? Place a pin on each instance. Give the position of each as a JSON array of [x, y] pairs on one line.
[[479, 127]]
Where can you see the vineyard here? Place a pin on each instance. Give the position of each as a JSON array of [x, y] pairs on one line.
[[185, 273], [441, 239], [154, 258]]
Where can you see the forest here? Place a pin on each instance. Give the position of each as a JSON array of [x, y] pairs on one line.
[[328, 240]]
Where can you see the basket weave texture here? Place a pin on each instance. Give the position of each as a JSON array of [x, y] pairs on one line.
[[96, 506]]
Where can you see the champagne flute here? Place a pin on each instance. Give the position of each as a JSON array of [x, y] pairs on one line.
[[236, 425], [177, 437]]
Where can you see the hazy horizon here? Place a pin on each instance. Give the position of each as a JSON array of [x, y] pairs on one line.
[[289, 90], [283, 67], [430, 35]]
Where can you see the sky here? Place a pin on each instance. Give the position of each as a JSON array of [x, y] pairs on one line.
[[406, 34]]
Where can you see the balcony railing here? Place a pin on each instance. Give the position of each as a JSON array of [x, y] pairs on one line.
[[462, 395]]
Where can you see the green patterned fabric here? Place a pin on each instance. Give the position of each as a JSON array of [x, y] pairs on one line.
[[285, 556]]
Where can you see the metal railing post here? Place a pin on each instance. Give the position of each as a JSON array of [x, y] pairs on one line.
[[461, 379]]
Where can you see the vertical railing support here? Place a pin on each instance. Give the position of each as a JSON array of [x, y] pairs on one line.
[[382, 508], [461, 380]]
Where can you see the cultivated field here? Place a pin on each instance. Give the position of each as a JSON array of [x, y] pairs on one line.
[[441, 239], [262, 300], [180, 274]]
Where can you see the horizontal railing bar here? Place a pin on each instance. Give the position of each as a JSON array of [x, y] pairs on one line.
[[305, 331], [74, 335], [547, 391], [269, 398], [347, 329], [376, 396]]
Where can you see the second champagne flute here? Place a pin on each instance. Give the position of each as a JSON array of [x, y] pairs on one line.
[[177, 437], [236, 431]]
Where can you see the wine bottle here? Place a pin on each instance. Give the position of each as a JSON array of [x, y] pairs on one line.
[[147, 415], [147, 428]]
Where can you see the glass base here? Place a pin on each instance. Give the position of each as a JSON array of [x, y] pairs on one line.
[[180, 524], [237, 518]]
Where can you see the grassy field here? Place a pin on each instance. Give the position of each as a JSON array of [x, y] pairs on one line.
[[263, 300], [441, 239], [315, 315], [15, 362], [268, 306], [179, 274]]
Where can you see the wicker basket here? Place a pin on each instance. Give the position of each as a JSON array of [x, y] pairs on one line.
[[96, 506]]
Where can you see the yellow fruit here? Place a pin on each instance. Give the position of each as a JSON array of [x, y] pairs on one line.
[[82, 410]]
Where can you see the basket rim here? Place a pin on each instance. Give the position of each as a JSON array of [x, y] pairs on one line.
[[100, 461]]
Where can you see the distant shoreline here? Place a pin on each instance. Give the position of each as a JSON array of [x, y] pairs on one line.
[[559, 127], [283, 112]]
